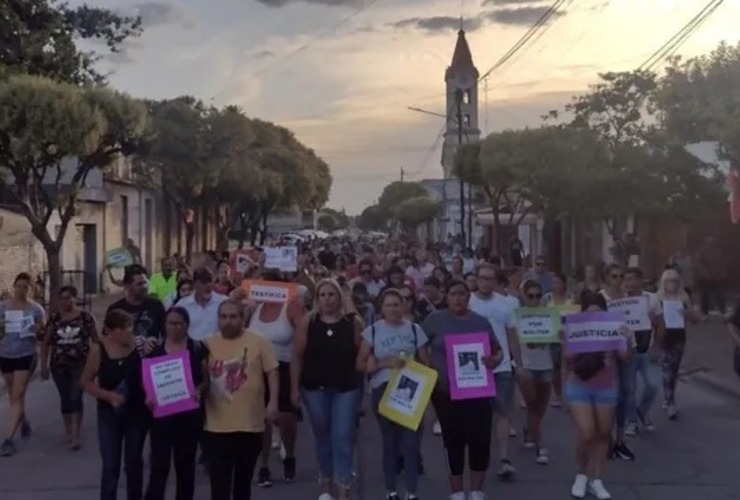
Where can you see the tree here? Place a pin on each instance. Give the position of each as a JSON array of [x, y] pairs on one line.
[[176, 154], [372, 218], [331, 220], [52, 135], [38, 37], [415, 211], [698, 99]]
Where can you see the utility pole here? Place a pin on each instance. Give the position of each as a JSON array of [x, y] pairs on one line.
[[402, 172], [459, 99]]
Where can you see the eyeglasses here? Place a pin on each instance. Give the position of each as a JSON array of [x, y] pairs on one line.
[[534, 296], [408, 297], [541, 264], [366, 271], [617, 276]]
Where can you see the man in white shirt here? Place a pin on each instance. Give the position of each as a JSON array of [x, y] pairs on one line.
[[498, 310], [202, 305]]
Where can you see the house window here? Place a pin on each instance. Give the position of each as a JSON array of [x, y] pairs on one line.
[[466, 96], [124, 219], [466, 120]]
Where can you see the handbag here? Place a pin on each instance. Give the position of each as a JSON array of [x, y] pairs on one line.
[[587, 365]]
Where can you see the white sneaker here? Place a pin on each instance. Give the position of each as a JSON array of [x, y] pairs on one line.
[[276, 441], [630, 429], [437, 429], [477, 495], [542, 457], [326, 496], [460, 495], [578, 490], [596, 488]]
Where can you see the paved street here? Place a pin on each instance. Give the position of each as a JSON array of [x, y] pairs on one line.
[[694, 457]]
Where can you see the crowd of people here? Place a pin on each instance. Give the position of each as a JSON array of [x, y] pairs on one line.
[[358, 314]]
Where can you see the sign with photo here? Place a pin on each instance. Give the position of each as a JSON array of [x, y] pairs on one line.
[[407, 395], [468, 377], [282, 258], [118, 257]]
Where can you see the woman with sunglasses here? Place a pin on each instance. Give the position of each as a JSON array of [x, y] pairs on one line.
[[614, 289], [592, 392], [534, 375], [466, 424]]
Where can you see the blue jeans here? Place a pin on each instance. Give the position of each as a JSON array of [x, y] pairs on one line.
[[121, 434], [333, 417], [641, 366], [397, 439], [625, 390]]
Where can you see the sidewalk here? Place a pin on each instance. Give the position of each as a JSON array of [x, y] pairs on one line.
[[708, 360]]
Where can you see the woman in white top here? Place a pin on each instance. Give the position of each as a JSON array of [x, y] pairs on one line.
[[277, 323], [559, 296], [534, 374]]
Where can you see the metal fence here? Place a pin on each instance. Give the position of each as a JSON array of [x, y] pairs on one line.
[[76, 278]]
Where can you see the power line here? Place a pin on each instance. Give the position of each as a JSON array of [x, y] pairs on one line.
[[336, 26], [531, 32], [678, 39]]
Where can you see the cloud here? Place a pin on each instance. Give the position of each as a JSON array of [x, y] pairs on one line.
[[510, 2], [515, 16], [263, 54], [330, 3], [161, 13], [520, 16], [438, 24]]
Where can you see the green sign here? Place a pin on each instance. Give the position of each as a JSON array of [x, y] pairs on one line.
[[538, 325]]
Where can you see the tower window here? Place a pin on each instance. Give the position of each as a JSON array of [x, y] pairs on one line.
[[466, 96], [466, 120]]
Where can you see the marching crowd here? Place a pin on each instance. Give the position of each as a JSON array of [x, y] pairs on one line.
[[352, 317]]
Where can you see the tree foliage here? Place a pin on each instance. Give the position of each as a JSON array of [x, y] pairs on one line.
[[331, 220], [415, 211], [239, 170], [372, 218], [52, 136], [699, 99], [39, 37]]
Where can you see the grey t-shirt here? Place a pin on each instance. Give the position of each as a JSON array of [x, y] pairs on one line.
[[391, 341], [12, 345], [441, 323]]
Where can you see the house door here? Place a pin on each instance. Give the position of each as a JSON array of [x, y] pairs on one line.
[[90, 257]]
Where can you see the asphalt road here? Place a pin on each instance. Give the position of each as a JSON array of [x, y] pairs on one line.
[[695, 458]]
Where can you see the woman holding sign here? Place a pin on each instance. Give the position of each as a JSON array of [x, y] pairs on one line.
[[592, 392], [464, 351], [21, 322], [174, 438], [537, 328], [385, 347], [677, 310]]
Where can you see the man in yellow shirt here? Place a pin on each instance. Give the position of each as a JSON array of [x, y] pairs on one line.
[[164, 283]]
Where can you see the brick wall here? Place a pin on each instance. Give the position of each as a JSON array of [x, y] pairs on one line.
[[19, 258]]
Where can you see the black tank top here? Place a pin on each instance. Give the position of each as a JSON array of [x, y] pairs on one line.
[[329, 361], [122, 375]]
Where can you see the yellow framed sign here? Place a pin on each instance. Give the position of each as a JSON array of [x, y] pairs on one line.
[[407, 395]]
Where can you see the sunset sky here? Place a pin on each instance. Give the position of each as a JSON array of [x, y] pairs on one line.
[[341, 73]]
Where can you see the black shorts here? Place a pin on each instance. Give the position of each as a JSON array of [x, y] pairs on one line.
[[11, 365], [284, 403]]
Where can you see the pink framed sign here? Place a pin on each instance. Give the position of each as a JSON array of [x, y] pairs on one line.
[[467, 375], [168, 383]]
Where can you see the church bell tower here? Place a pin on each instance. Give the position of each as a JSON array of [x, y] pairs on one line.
[[461, 79]]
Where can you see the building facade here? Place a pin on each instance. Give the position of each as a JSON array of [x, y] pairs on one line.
[[111, 207]]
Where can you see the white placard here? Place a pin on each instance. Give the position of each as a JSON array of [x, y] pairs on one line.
[[673, 314], [635, 310], [282, 258], [469, 369], [405, 396], [170, 382], [18, 322]]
